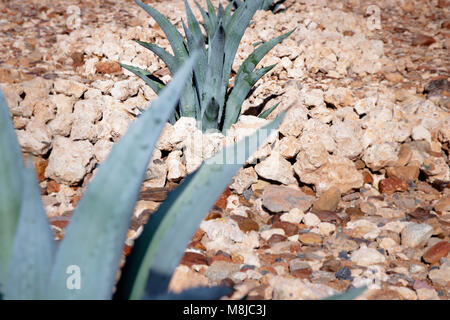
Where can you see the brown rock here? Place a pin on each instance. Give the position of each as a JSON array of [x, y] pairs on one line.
[[198, 235], [192, 258], [328, 200], [290, 229], [421, 214], [393, 77], [443, 4], [108, 67], [213, 215], [302, 273], [422, 40], [354, 212], [331, 265], [222, 256], [308, 191], [348, 33], [275, 238], [126, 250], [221, 202], [404, 155], [77, 58], [75, 200], [436, 252], [391, 185], [53, 186], [407, 173], [310, 239], [443, 204], [327, 216], [40, 165], [245, 224], [153, 194], [59, 221], [196, 245], [283, 199], [367, 177]]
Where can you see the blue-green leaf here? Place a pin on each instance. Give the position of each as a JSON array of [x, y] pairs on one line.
[[350, 294], [175, 38], [156, 84], [266, 113], [163, 241], [197, 41], [34, 246], [171, 62], [256, 56], [234, 31], [213, 88], [11, 187], [206, 21], [212, 16], [96, 235], [239, 94]]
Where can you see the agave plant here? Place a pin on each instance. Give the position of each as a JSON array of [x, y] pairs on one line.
[[207, 97], [34, 266]]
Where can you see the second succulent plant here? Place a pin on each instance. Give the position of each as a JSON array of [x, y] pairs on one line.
[[208, 97]]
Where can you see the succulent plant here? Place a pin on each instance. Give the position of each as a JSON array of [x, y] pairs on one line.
[[34, 266], [208, 97]]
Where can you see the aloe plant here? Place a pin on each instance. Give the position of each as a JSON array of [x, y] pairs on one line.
[[207, 97], [85, 263]]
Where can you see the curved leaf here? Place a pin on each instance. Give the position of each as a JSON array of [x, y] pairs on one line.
[[256, 56], [175, 38], [163, 241], [350, 294], [96, 235], [266, 113], [154, 83], [34, 246], [11, 187], [234, 31], [171, 62], [213, 88], [239, 93]]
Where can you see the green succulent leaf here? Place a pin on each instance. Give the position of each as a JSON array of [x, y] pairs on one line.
[[171, 62], [34, 246], [163, 241], [194, 32], [11, 187], [96, 235], [175, 38], [258, 54], [207, 24], [234, 31], [155, 83], [212, 17], [239, 94], [350, 294], [194, 26], [266, 113], [213, 88], [228, 9]]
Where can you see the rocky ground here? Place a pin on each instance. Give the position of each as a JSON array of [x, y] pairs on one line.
[[352, 190]]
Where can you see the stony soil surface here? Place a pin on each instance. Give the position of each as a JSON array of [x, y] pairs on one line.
[[354, 187]]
